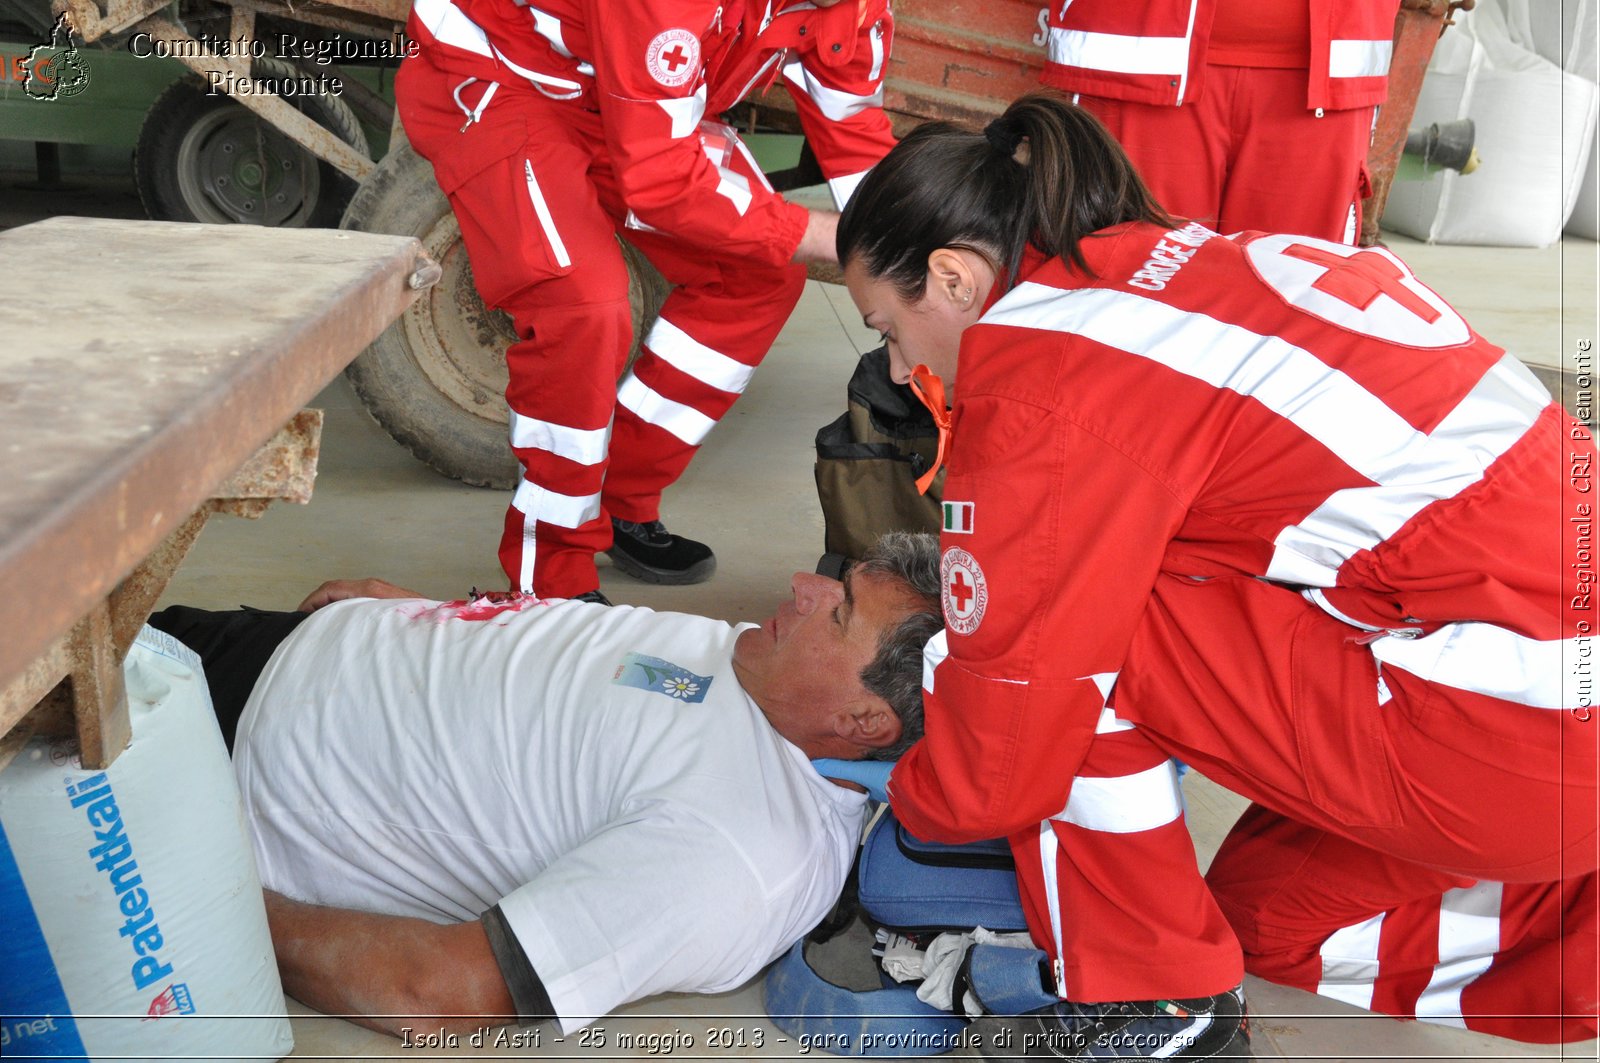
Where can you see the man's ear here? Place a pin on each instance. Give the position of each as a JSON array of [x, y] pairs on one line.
[[869, 724], [951, 278]]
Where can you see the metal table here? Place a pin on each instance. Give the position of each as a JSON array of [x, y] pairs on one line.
[[142, 365]]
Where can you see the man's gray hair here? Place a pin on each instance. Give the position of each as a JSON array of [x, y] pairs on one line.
[[895, 674]]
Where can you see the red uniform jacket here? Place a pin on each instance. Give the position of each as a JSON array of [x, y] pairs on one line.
[[1154, 51], [655, 68], [1276, 407]]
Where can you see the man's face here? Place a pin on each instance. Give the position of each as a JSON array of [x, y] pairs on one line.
[[803, 666]]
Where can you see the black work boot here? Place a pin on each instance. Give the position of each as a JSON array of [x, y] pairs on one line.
[[1215, 1028], [651, 553]]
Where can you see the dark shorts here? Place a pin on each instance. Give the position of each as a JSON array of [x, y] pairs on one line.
[[234, 646]]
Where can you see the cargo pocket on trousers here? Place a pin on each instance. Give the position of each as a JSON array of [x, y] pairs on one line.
[[498, 193], [1339, 730]]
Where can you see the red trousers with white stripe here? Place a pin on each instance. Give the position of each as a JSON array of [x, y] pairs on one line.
[[1248, 155], [539, 208], [1416, 848]]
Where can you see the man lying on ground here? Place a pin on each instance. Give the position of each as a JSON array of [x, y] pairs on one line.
[[525, 809]]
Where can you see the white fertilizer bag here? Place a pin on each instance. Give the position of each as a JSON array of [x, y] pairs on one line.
[[134, 925], [1535, 125]]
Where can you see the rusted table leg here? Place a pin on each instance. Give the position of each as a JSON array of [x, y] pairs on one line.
[[99, 698], [76, 686]]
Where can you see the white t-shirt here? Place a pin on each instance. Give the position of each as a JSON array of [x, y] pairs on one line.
[[597, 772]]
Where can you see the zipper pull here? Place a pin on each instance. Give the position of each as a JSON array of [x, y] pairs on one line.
[[1369, 637]]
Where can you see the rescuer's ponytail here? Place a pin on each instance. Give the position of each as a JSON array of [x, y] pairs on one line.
[[1045, 172]]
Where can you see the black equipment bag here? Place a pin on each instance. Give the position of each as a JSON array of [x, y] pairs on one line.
[[868, 462]]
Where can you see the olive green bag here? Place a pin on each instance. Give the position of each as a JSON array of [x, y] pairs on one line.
[[868, 462]]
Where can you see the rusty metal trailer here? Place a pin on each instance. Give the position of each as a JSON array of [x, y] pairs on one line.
[[435, 379]]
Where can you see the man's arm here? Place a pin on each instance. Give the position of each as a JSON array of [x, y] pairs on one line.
[[386, 972], [337, 590], [820, 242]]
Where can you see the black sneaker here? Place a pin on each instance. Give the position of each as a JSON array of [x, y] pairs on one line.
[[593, 597], [1215, 1028], [653, 554]]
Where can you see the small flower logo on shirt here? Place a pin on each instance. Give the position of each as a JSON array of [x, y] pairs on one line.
[[681, 686], [661, 677]]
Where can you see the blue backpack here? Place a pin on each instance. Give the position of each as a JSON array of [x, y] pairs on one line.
[[918, 890]]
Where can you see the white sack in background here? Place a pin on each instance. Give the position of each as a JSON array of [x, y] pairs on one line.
[[134, 923], [1535, 127]]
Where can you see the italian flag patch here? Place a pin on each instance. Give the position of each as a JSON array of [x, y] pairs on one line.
[[958, 518]]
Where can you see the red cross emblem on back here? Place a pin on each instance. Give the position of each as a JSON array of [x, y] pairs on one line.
[[1360, 278]]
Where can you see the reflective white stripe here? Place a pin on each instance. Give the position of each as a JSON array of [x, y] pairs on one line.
[[735, 188], [1359, 59], [876, 38], [1048, 845], [530, 554], [1125, 804], [1103, 682], [1352, 225], [586, 446], [1119, 54], [685, 113], [934, 651], [750, 161], [548, 26], [1490, 660], [845, 187], [1350, 963], [685, 422], [552, 507], [685, 353], [1111, 723], [836, 105], [766, 68], [1411, 468], [546, 222], [450, 26], [1469, 936], [1188, 41]]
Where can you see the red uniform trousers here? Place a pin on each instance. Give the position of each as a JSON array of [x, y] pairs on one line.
[[1248, 154], [1430, 854], [537, 200]]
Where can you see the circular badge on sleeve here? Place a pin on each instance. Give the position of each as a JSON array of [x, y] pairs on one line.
[[673, 57], [966, 592]]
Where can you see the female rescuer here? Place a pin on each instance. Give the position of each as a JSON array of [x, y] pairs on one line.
[[1266, 504]]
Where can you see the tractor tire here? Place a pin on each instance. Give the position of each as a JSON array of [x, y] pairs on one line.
[[207, 158], [435, 380]]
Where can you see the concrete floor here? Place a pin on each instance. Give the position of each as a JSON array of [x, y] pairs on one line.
[[750, 494]]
